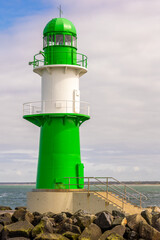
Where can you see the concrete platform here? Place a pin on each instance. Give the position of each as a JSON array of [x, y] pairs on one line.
[[45, 201]]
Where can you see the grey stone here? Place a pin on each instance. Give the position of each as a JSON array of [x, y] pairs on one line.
[[44, 226], [104, 220], [5, 208], [116, 213], [50, 236], [147, 216], [134, 220], [92, 232], [18, 229], [148, 232], [21, 215], [119, 229], [66, 227], [5, 219]]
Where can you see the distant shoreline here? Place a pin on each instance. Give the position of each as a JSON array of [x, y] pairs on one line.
[[143, 183]]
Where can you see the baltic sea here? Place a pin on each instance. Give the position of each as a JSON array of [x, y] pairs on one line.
[[15, 195]]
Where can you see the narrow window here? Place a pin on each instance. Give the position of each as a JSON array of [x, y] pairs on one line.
[[74, 42], [45, 42], [59, 39], [51, 40], [68, 40]]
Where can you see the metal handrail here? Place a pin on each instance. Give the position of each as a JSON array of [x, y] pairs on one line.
[[79, 62], [123, 197], [66, 106]]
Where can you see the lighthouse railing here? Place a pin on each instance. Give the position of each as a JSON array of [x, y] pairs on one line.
[[111, 190], [40, 59], [58, 106]]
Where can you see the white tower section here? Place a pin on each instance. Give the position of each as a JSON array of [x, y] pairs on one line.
[[60, 88]]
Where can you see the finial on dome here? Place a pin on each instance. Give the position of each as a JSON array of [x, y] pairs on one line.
[[60, 11]]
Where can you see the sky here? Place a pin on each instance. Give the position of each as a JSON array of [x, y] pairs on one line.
[[122, 41]]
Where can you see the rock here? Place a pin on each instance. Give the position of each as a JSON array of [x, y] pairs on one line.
[[104, 220], [21, 215], [117, 221], [5, 219], [18, 238], [60, 217], [127, 233], [2, 208], [50, 236], [155, 221], [148, 232], [48, 214], [84, 221], [156, 209], [157, 224], [133, 221], [22, 207], [114, 236], [117, 214], [119, 229], [133, 235], [80, 213], [68, 214], [124, 221], [71, 235], [66, 227], [147, 216], [1, 229], [92, 232], [18, 229], [43, 227]]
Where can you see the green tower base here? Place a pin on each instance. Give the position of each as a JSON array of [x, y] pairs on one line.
[[59, 150]]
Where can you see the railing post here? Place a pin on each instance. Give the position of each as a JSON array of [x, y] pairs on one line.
[[107, 187], [140, 201], [88, 186], [125, 192], [69, 182]]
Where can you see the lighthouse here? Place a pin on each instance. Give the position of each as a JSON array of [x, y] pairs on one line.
[[60, 112]]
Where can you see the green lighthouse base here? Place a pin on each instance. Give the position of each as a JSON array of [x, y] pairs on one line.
[[59, 150]]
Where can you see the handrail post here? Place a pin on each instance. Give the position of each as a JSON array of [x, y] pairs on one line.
[[125, 192], [69, 182], [140, 201], [107, 187], [88, 185]]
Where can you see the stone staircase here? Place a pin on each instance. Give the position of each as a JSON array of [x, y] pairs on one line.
[[119, 203]]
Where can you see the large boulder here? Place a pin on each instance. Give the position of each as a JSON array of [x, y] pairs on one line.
[[21, 215], [116, 213], [134, 220], [18, 229], [71, 235], [84, 221], [148, 232], [147, 216], [5, 219], [155, 221], [67, 227], [3, 208], [104, 220], [119, 229], [50, 236], [92, 232], [114, 236], [18, 238], [44, 226], [47, 214], [60, 217], [1, 229]]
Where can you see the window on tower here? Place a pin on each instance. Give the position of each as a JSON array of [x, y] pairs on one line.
[[51, 40], [74, 42], [45, 42], [68, 40], [59, 39]]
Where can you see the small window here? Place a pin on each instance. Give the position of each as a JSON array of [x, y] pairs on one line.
[[45, 42], [51, 40], [59, 39], [74, 42], [68, 40]]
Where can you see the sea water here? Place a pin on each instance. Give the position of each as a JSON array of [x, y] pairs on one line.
[[16, 195]]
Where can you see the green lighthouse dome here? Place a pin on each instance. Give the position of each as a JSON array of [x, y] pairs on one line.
[[60, 25]]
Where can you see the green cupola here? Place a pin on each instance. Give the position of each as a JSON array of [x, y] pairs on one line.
[[60, 42]]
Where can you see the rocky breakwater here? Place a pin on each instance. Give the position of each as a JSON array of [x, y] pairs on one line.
[[21, 224]]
